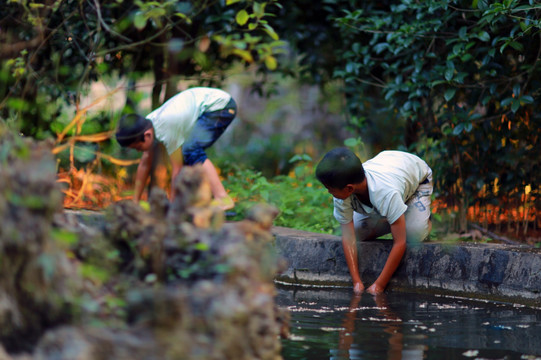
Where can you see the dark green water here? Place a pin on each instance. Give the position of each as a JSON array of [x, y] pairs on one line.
[[333, 324]]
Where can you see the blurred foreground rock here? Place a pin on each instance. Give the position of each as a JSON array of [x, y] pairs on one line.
[[37, 281], [194, 287]]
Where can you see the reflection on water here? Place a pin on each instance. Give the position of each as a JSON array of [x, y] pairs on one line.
[[335, 324]]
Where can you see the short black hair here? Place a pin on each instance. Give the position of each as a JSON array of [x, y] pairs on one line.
[[131, 128], [340, 167]]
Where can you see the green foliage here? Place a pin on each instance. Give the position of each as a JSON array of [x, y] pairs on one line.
[[302, 201], [458, 80], [55, 50]]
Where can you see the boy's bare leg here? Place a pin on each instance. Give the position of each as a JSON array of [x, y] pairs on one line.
[[216, 185]]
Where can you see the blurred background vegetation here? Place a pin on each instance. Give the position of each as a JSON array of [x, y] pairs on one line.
[[456, 82]]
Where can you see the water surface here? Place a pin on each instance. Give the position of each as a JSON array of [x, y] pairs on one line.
[[334, 324]]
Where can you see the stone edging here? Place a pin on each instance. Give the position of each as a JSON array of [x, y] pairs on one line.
[[490, 271]]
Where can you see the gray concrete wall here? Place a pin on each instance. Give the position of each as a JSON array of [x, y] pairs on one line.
[[491, 271]]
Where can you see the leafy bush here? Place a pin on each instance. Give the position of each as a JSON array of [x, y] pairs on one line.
[[303, 202]]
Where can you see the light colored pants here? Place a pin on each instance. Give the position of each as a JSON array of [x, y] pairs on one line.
[[418, 223]]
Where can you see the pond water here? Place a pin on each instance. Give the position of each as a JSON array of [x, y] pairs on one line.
[[334, 324]]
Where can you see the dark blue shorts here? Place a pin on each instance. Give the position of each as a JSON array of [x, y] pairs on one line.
[[208, 128]]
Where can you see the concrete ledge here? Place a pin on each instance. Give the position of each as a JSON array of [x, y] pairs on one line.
[[497, 272]]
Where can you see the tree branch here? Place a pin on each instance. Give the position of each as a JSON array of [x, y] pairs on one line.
[[11, 50], [105, 26]]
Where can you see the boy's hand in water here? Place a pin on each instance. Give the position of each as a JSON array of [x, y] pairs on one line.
[[375, 289], [358, 288]]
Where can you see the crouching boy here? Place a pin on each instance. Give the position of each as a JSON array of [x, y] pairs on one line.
[[186, 125], [388, 193]]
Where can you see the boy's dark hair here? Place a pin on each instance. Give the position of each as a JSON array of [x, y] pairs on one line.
[[340, 167], [131, 128]]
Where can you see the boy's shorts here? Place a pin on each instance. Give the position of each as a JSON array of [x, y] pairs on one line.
[[418, 224], [208, 128]]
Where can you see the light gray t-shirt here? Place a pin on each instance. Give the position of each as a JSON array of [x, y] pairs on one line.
[[175, 119], [392, 178]]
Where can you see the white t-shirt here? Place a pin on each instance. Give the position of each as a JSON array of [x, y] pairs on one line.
[[175, 119], [392, 178]]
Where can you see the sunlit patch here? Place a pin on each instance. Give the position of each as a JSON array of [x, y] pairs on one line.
[[471, 353], [503, 327], [331, 329], [437, 306], [325, 309], [305, 309], [375, 319], [294, 337]]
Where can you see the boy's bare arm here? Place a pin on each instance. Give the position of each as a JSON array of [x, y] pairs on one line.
[[398, 230], [141, 176], [177, 161], [349, 244]]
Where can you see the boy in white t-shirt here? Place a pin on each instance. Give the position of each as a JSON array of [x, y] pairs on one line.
[[186, 125], [388, 193]]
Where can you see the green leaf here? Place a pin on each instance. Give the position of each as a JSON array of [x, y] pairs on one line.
[[506, 101], [17, 104], [466, 57], [259, 9], [526, 99], [84, 153], [516, 45], [271, 63], [201, 246], [244, 54], [156, 13], [64, 237], [351, 142], [483, 36], [457, 49], [95, 273], [516, 90], [449, 94], [437, 82], [270, 31], [242, 17], [140, 20], [449, 73], [458, 129], [379, 48], [516, 105], [463, 31]]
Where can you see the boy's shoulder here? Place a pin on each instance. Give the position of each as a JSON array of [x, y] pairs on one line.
[[394, 158]]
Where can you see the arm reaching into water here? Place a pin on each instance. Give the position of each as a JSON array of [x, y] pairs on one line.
[[349, 244], [398, 230]]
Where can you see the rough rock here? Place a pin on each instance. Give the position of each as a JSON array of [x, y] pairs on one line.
[[194, 287], [38, 282]]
